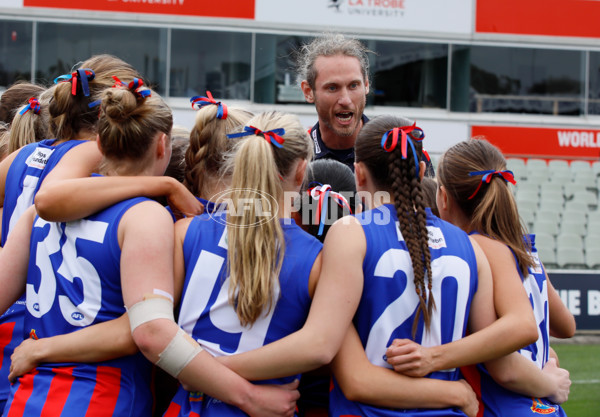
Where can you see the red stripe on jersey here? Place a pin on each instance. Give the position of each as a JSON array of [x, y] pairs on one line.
[[173, 410], [472, 376], [192, 414], [106, 392], [17, 406], [60, 387]]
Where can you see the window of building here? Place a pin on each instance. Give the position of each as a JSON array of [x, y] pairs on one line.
[[61, 46], [275, 80], [15, 52], [594, 93], [517, 80], [220, 62], [409, 74]]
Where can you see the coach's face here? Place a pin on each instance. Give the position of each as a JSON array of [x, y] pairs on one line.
[[339, 95]]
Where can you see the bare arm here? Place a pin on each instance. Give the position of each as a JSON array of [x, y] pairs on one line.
[[146, 238], [336, 298], [514, 329], [85, 345], [519, 374], [14, 259], [68, 193], [362, 381]]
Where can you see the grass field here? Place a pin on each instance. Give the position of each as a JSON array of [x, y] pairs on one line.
[[583, 363]]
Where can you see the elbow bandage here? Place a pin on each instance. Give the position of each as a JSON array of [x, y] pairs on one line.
[[150, 309], [181, 349], [179, 352]]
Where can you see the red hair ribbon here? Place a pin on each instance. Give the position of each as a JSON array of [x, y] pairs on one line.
[[82, 76], [34, 106], [202, 101], [488, 175], [134, 86], [273, 136], [416, 133], [321, 193]]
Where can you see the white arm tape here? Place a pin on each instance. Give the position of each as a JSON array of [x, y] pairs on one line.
[[148, 310], [180, 351]]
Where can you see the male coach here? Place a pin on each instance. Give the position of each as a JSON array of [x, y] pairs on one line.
[[334, 74]]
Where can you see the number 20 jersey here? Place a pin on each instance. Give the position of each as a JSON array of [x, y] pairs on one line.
[[74, 281], [389, 302]]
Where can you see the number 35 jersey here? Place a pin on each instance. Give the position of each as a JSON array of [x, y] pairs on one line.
[[74, 281]]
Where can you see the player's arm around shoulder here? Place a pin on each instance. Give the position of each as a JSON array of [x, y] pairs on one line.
[[58, 200], [334, 303]]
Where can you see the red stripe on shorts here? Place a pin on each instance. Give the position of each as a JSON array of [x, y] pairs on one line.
[[60, 387], [17, 406], [106, 392], [173, 410]]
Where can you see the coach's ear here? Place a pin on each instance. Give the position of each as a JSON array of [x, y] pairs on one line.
[[308, 92]]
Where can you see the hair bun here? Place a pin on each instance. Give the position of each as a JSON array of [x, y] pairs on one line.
[[118, 104]]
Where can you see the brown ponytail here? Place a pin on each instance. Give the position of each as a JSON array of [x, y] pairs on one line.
[[492, 210]]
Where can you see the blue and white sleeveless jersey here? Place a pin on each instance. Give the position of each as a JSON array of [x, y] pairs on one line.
[[389, 302], [25, 175], [74, 281], [500, 402], [206, 314], [23, 180]]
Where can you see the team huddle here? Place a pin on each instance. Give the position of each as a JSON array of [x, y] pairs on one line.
[[141, 276]]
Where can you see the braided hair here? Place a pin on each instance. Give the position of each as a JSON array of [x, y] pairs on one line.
[[400, 177]]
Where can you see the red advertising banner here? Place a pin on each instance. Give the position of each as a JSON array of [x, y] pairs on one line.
[[242, 9], [540, 142], [577, 18]]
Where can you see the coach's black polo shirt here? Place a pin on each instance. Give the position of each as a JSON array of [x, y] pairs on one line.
[[345, 156]]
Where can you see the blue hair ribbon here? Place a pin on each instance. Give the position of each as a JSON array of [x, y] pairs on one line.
[[33, 105], [273, 136], [201, 101], [83, 76], [488, 175], [416, 133], [134, 86]]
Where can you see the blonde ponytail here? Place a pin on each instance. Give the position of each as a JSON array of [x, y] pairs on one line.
[[256, 244]]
